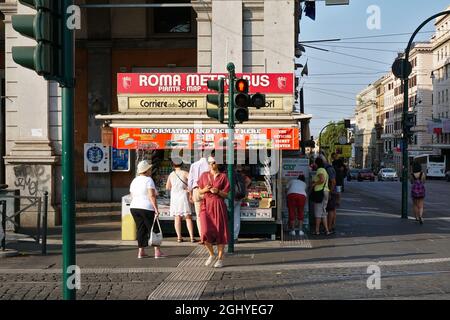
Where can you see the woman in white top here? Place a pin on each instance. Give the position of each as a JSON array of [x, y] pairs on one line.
[[180, 207], [144, 207], [296, 199]]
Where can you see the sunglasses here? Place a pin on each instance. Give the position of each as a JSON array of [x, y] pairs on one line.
[[212, 162]]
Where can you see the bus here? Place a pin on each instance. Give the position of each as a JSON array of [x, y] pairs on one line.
[[433, 165]]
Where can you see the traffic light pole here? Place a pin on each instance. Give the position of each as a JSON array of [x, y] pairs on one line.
[[230, 155], [405, 113], [68, 183]]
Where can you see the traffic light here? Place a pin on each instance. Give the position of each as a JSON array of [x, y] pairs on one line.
[[347, 123], [409, 124], [216, 99], [242, 100], [46, 27]]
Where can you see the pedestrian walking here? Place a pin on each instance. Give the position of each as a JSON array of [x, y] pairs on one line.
[[144, 207], [214, 186], [196, 170], [296, 199], [418, 191], [180, 207], [320, 194]]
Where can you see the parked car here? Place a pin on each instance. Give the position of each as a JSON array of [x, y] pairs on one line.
[[447, 176], [387, 174], [366, 174], [352, 174]]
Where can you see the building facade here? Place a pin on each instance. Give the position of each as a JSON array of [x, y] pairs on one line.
[[201, 37], [365, 133], [439, 125]]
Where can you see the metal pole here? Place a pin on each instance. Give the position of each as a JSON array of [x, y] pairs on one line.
[[230, 155], [39, 221], [68, 186], [3, 203], [44, 224], [405, 112]]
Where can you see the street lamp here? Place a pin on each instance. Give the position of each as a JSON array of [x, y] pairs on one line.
[[405, 115], [345, 122]]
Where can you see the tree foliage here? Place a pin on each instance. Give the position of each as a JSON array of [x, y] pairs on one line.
[[331, 135]]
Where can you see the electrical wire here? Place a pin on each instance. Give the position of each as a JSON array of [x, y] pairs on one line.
[[342, 64], [331, 94]]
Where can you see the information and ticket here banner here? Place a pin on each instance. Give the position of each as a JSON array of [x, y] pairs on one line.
[[195, 138], [196, 83]]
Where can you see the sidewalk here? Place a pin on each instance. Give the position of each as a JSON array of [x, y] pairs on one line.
[[305, 268]]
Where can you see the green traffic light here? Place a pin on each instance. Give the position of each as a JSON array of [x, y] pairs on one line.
[[217, 114], [46, 28], [35, 58], [216, 99]]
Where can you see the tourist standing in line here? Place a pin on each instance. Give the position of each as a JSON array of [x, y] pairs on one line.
[[296, 199], [144, 207], [180, 207], [320, 183]]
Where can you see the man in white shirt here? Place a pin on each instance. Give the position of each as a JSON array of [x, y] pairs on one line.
[[196, 170]]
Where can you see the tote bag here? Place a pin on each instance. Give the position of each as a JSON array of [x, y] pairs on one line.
[[155, 238]]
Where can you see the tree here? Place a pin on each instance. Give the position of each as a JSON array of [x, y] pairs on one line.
[[331, 137]]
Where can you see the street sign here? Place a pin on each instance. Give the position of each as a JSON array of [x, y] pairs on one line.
[[397, 69]]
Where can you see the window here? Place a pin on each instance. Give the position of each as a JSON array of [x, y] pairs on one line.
[[172, 20]]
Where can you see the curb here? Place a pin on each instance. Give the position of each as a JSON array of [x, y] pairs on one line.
[[8, 253]]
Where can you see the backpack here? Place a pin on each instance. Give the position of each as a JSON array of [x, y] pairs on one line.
[[418, 188], [240, 189]]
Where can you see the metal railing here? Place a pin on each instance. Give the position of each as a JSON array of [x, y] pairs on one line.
[[41, 218]]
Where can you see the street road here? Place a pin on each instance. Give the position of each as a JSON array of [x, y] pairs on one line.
[[385, 196], [413, 259]]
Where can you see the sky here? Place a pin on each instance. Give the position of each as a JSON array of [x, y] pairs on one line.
[[329, 94]]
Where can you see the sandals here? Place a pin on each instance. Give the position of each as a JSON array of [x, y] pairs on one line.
[[316, 233], [179, 240], [193, 240]]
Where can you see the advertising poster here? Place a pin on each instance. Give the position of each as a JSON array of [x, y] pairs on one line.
[[152, 138], [120, 160]]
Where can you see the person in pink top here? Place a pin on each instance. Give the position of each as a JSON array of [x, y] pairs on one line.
[[214, 185]]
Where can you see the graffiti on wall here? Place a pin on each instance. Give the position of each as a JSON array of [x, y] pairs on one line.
[[31, 179]]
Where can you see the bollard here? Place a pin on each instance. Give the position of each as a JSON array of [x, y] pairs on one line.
[[44, 222], [3, 205]]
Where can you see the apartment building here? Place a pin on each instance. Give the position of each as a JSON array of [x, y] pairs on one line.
[[439, 125]]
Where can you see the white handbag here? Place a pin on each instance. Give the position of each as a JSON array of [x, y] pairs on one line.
[[155, 238]]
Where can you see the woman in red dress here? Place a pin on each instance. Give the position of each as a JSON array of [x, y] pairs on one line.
[[214, 186]]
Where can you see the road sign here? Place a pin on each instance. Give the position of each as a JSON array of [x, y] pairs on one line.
[[397, 69]]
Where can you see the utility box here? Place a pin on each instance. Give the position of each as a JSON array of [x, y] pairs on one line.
[[12, 206], [128, 224], [96, 158]]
